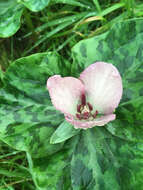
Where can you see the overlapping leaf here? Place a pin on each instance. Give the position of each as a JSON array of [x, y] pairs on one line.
[[51, 173], [10, 14], [102, 161], [27, 117], [111, 157], [121, 46], [11, 11], [35, 5]]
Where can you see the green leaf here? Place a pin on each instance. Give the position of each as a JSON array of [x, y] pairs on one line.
[[35, 5], [111, 156], [11, 11], [125, 41], [10, 14], [121, 46], [63, 132], [128, 125], [27, 117], [52, 173], [101, 161]]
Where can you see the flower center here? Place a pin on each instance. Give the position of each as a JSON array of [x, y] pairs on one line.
[[85, 110]]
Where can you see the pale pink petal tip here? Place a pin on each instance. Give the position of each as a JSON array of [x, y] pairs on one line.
[[103, 85], [51, 81], [65, 93], [89, 124]]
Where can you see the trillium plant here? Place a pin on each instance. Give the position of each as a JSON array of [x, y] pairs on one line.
[[89, 100]]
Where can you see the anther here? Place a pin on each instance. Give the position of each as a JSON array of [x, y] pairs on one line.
[[79, 108], [90, 106], [95, 114], [79, 116]]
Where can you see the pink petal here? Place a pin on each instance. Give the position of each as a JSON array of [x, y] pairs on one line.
[[65, 93], [89, 124], [103, 85]]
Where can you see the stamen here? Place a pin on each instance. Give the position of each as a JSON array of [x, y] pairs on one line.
[[95, 114], [79, 116], [90, 106], [84, 110], [79, 108], [83, 99]]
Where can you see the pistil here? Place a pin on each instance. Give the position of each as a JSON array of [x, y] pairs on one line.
[[84, 110], [83, 99]]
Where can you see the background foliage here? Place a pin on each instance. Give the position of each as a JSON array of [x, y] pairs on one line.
[[38, 148]]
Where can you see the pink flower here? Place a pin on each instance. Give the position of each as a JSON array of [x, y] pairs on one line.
[[90, 100]]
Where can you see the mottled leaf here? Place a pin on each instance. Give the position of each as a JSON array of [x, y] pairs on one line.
[[121, 46], [10, 14], [102, 162], [27, 117], [52, 173], [11, 11]]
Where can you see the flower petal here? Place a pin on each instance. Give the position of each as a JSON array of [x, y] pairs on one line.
[[89, 124], [103, 85], [65, 93]]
